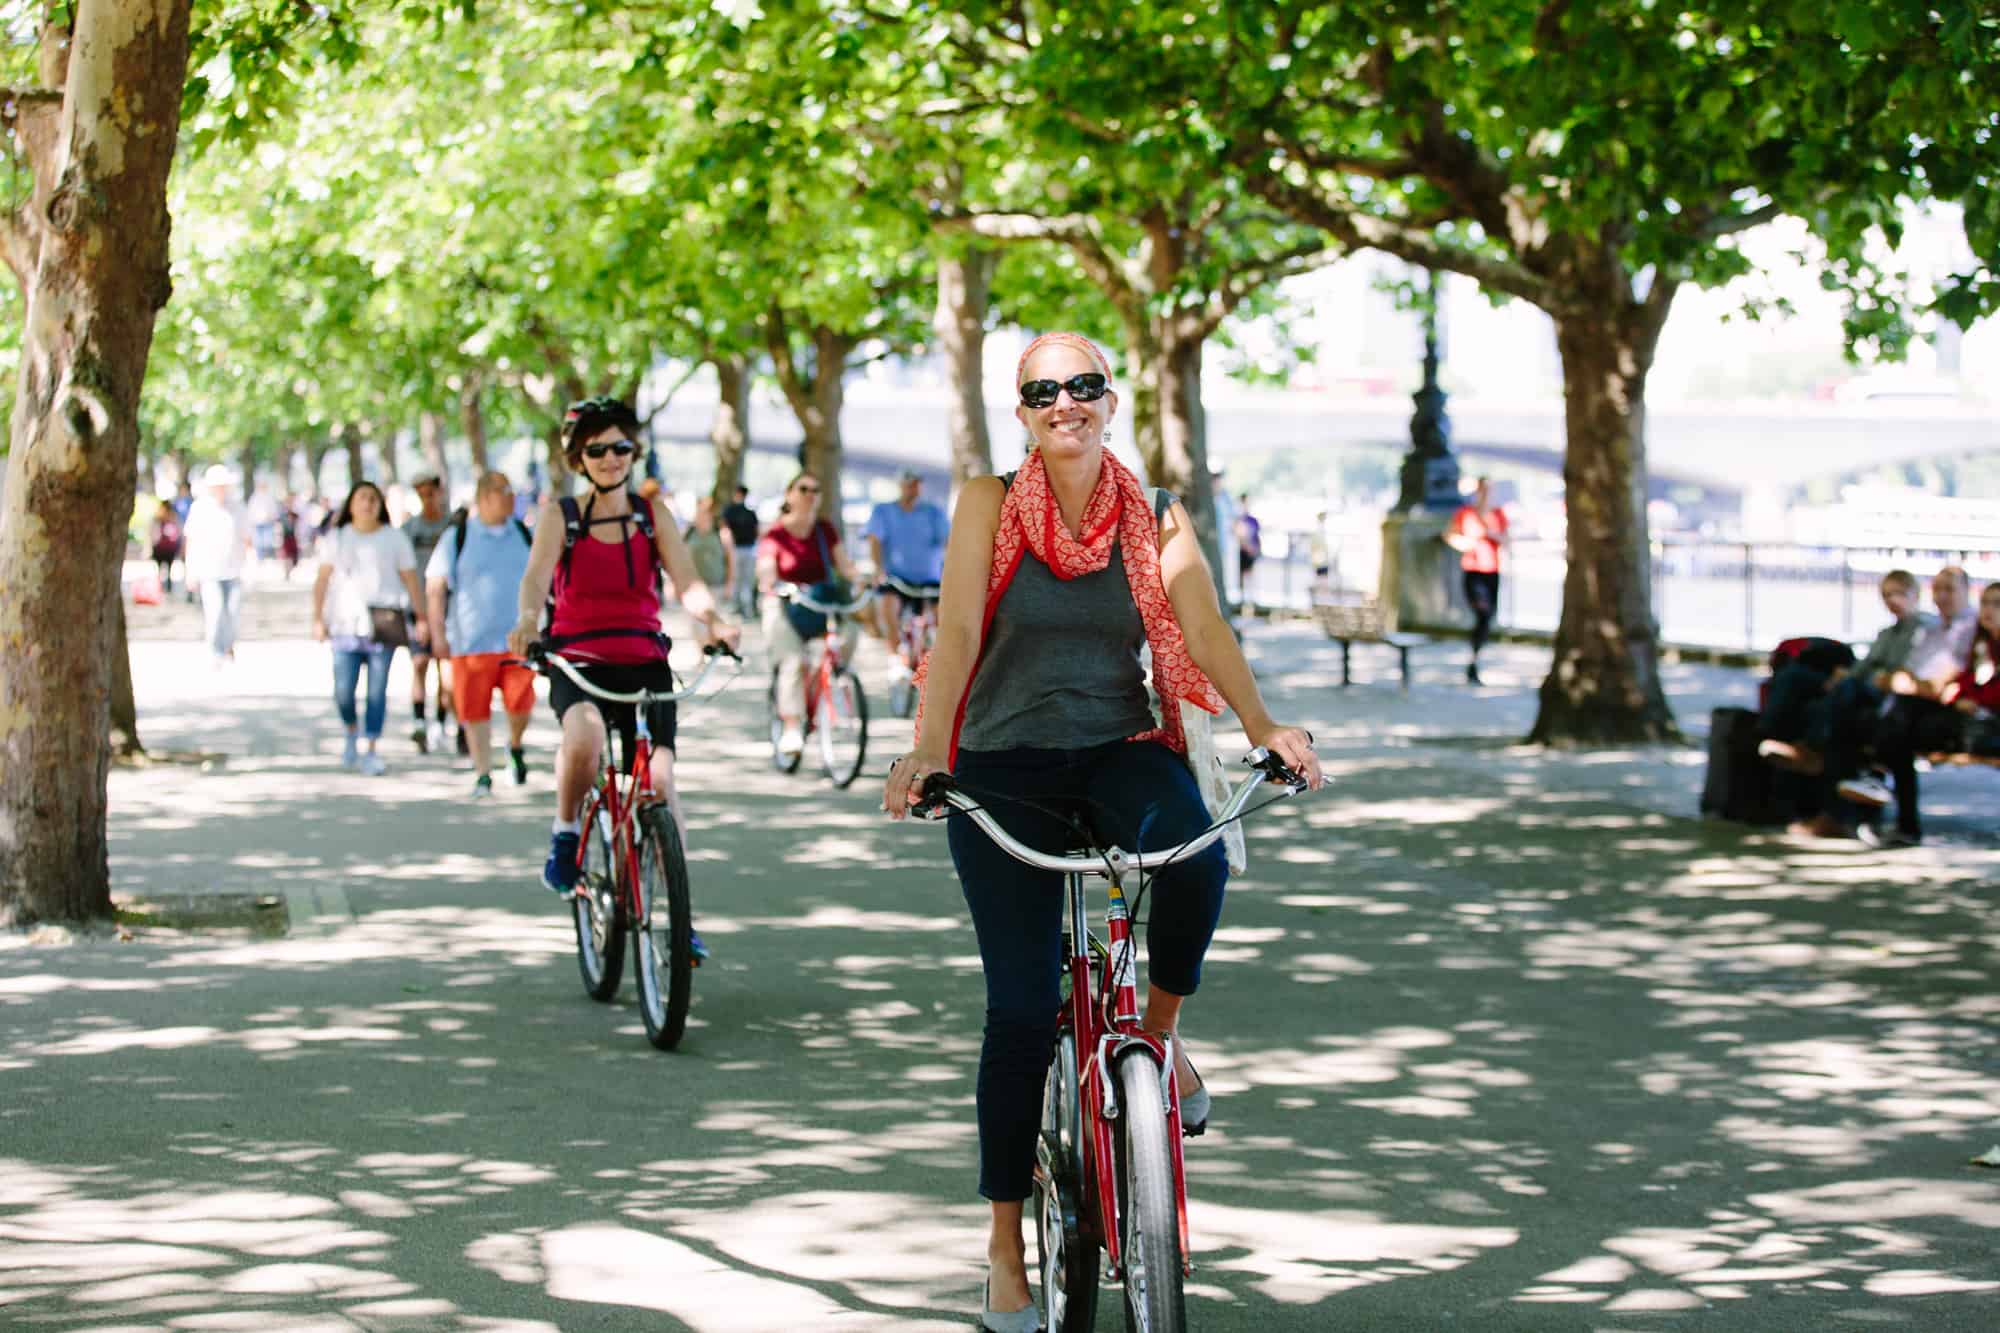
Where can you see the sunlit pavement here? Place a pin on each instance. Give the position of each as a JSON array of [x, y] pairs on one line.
[[1499, 1040]]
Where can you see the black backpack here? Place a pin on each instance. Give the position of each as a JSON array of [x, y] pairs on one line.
[[463, 516]]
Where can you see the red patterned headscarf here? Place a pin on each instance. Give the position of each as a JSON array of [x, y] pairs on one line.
[[1119, 510]]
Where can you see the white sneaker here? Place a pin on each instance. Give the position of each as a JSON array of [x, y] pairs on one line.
[[791, 741], [372, 765], [1865, 791], [350, 757], [437, 738], [899, 671]]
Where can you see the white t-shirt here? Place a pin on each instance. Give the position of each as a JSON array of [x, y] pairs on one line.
[[367, 571], [216, 534]]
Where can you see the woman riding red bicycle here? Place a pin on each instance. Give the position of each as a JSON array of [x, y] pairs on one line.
[[800, 548], [604, 556], [1054, 582]]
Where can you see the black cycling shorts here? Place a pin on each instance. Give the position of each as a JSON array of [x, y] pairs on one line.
[[622, 677]]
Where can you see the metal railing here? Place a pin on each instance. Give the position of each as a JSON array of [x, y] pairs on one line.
[[1733, 595]]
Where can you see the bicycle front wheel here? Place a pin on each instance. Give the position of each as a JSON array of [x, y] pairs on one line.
[[598, 907], [662, 949], [1149, 1233], [843, 727], [1068, 1255], [784, 763]]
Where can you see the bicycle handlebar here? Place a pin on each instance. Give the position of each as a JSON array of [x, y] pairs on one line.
[[797, 593], [541, 659], [940, 794], [921, 592]]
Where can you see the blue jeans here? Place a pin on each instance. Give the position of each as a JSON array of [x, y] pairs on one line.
[[1141, 797], [221, 609], [349, 655]]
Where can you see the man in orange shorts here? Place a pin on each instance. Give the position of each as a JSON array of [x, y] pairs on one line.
[[477, 566]]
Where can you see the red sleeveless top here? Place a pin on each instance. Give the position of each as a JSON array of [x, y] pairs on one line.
[[608, 601]]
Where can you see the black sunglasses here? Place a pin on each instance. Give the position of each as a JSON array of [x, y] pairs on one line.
[[1085, 388], [623, 448]]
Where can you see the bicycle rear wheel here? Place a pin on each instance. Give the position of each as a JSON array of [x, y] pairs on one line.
[[661, 950], [1149, 1232], [598, 907], [1068, 1257], [843, 727], [779, 759]]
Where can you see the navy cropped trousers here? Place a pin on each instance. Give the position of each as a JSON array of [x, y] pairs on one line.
[[1136, 795]]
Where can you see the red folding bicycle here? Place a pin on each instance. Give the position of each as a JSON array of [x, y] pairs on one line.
[[835, 708], [916, 632], [1109, 1175]]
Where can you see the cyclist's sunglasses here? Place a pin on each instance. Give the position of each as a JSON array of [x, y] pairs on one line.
[[1085, 388], [622, 448]]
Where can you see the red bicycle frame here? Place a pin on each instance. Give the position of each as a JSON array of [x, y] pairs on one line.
[[1105, 1020], [621, 810]]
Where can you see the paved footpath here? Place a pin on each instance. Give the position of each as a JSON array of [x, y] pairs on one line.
[[1500, 1040]]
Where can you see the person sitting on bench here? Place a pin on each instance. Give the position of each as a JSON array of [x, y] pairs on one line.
[[1804, 696], [1964, 718]]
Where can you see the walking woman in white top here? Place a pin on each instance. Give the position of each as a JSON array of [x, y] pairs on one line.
[[363, 600]]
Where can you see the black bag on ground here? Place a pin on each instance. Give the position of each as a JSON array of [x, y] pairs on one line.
[[1739, 785]]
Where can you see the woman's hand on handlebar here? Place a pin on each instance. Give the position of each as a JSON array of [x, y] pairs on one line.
[[906, 781], [522, 637], [723, 633], [1294, 745]]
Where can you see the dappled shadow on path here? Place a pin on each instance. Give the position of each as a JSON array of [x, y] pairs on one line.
[[1493, 1034]]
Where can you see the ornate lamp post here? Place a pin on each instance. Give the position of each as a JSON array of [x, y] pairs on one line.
[[1417, 586], [1430, 469]]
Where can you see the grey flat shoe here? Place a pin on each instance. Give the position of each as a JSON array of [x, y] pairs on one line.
[[1194, 1108], [1007, 1321]]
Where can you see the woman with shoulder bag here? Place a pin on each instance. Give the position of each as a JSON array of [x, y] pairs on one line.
[[1054, 582], [363, 601]]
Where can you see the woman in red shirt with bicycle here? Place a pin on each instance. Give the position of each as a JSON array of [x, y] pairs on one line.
[[1054, 581], [604, 557], [802, 548]]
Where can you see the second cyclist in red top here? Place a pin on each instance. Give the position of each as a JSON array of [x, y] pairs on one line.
[[604, 556]]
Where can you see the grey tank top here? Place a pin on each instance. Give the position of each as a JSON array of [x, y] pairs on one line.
[[1061, 669]]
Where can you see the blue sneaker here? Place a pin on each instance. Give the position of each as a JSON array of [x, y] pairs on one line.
[[560, 872], [697, 948]]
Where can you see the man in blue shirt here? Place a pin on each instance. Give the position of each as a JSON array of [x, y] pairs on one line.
[[480, 559], [906, 541]]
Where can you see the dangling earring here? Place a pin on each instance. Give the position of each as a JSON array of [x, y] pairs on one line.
[[1106, 439]]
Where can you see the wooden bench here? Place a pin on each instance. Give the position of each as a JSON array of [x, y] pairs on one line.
[[1349, 623]]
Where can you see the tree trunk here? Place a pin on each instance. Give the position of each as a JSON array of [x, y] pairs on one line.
[[1170, 425], [964, 287], [124, 708], [315, 448], [729, 433], [92, 251], [815, 400], [1604, 686], [385, 454], [430, 442], [350, 440], [246, 461], [472, 418]]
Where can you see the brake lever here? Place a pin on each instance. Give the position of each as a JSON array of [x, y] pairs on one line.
[[931, 797]]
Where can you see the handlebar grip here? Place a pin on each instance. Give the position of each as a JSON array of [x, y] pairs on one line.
[[931, 797], [720, 650]]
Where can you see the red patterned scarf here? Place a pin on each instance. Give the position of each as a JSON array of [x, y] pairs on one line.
[[1031, 521]]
